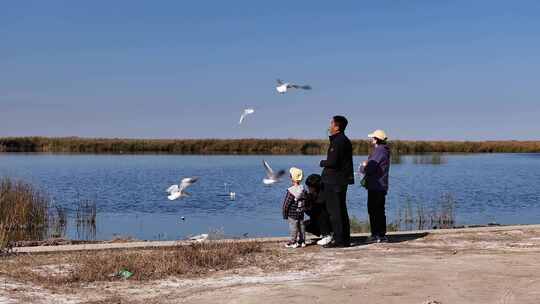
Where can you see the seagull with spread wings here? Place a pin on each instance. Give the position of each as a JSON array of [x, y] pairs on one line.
[[245, 114], [179, 191], [282, 87], [271, 176]]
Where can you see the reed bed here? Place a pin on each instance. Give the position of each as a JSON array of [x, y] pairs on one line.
[[359, 226], [58, 219], [85, 219], [413, 215], [249, 146], [23, 212], [27, 214], [86, 212]]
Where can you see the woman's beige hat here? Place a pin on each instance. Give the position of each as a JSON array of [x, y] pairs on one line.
[[379, 134], [296, 174]]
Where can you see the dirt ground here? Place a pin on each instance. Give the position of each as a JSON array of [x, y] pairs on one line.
[[463, 266]]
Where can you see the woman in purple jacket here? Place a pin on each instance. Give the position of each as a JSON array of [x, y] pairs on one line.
[[375, 171]]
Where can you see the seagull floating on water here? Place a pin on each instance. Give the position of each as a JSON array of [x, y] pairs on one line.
[[230, 194], [245, 114], [179, 191], [282, 87], [271, 177]]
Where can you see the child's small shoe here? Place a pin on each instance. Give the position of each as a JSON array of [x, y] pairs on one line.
[[291, 245], [302, 244]]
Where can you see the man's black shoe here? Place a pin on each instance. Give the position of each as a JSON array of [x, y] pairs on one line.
[[335, 245]]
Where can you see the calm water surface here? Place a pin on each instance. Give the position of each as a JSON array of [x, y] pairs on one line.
[[131, 201]]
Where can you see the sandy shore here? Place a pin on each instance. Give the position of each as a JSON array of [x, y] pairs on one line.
[[480, 265]]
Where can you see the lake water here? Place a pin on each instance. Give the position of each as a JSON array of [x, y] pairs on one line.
[[129, 190]]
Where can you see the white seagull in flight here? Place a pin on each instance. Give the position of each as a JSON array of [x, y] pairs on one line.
[[282, 87], [271, 177], [245, 114], [179, 191]]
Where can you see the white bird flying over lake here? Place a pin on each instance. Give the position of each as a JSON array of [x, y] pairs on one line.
[[282, 87], [245, 114], [179, 191], [271, 177]]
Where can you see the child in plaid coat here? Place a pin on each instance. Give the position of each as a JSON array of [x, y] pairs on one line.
[[293, 209]]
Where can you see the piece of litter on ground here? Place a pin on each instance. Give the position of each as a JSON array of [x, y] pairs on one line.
[[125, 274]]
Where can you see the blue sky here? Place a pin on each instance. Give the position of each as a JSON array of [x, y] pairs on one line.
[[461, 70]]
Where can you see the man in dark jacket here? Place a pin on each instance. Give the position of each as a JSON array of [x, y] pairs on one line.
[[337, 175], [375, 171]]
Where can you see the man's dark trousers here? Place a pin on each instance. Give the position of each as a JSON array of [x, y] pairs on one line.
[[336, 206], [377, 217]]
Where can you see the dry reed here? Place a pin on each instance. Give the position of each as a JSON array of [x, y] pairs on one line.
[[23, 212], [146, 264], [249, 146]]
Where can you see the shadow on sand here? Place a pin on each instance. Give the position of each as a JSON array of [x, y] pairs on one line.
[[394, 238]]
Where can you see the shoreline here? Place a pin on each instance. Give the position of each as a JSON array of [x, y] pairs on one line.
[[141, 244]]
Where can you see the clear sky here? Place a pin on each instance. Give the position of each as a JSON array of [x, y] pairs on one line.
[[463, 70]]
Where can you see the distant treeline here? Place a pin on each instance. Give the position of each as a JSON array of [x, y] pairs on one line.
[[247, 146]]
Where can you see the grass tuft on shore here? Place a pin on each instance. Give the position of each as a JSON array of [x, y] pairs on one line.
[[177, 261], [149, 264]]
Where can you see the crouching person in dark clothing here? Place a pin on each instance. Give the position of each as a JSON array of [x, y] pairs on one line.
[[318, 223], [375, 180]]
